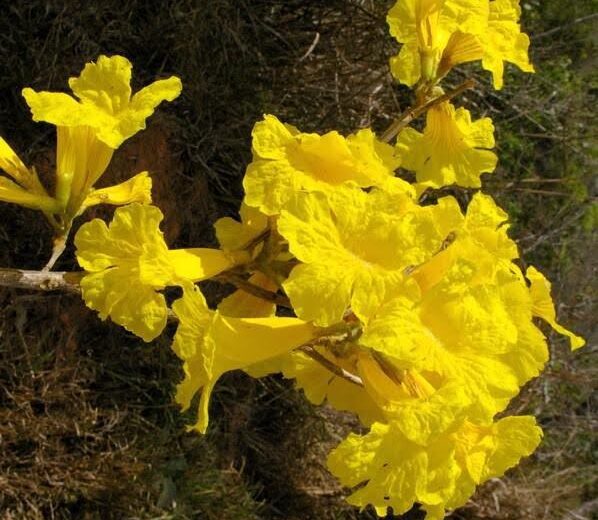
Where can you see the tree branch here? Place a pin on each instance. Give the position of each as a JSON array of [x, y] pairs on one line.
[[413, 113], [241, 283], [41, 280], [310, 351], [68, 281]]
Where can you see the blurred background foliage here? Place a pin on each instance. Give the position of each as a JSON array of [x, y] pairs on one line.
[[87, 426]]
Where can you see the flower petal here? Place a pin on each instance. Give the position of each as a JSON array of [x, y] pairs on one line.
[[140, 309], [105, 83], [198, 264], [12, 192], [543, 306], [450, 149], [233, 235], [136, 189], [13, 166]]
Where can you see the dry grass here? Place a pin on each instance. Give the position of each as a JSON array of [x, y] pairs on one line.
[[87, 426]]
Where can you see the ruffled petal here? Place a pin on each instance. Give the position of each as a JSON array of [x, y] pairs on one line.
[[136, 189], [543, 306], [286, 161], [406, 66], [105, 101], [140, 309], [63, 110], [504, 41], [105, 83], [320, 293]]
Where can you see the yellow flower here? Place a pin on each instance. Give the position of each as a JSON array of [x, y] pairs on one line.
[[91, 127], [286, 160], [439, 34], [81, 159], [128, 262], [355, 248], [478, 335], [481, 238], [503, 40], [211, 344], [391, 471], [543, 306], [453, 149], [433, 34]]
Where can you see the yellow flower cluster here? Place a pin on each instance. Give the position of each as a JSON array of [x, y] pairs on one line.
[[422, 305], [437, 35], [416, 317], [438, 325]]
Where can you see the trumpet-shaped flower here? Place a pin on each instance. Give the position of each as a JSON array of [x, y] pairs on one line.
[[479, 336], [90, 127], [128, 262], [439, 34], [286, 160], [211, 344], [392, 471], [355, 248], [481, 238], [453, 149], [543, 306], [436, 35], [81, 159]]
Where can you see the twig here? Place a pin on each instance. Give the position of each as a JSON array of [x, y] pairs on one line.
[[257, 239], [310, 351], [311, 47], [535, 37], [547, 234], [413, 113], [540, 192], [69, 281], [240, 283], [57, 250], [41, 280]]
